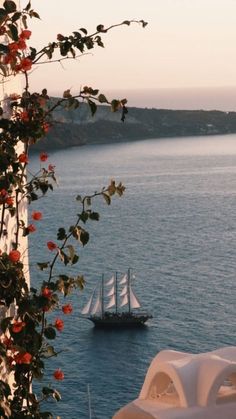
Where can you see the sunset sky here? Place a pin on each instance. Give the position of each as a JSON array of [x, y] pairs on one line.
[[187, 43]]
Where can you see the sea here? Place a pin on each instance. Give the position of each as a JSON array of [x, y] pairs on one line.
[[175, 227]]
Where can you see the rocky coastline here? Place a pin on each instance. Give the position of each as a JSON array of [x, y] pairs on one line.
[[77, 127]]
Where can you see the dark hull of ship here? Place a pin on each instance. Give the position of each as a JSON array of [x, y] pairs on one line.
[[120, 320]]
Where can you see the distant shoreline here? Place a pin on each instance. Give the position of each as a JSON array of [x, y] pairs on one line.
[[78, 128]]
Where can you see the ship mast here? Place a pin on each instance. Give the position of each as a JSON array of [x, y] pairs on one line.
[[116, 292], [128, 290], [102, 296]]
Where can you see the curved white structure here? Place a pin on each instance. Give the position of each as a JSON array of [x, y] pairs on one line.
[[187, 386]]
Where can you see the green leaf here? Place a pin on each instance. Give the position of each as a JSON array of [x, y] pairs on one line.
[[47, 391], [71, 251], [94, 92], [80, 282], [63, 256], [3, 14], [5, 388], [93, 107], [112, 188], [46, 415], [5, 323], [28, 6], [10, 6], [48, 352], [56, 395], [67, 94], [34, 14], [126, 22], [144, 24], [75, 259], [14, 32], [61, 234], [88, 201], [24, 21], [49, 332], [94, 216], [16, 16], [100, 28], [115, 104], [99, 41], [33, 196], [107, 198], [84, 237], [43, 265], [102, 98], [83, 30], [84, 216]]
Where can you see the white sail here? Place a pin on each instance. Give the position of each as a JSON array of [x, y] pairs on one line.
[[111, 303], [134, 303], [97, 306], [124, 291], [111, 292], [124, 300], [123, 280], [87, 307], [111, 281]]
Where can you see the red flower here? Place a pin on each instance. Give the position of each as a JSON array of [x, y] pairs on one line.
[[60, 37], [9, 200], [7, 342], [51, 168], [23, 358], [25, 34], [43, 156], [13, 46], [31, 228], [2, 30], [45, 127], [59, 325], [25, 64], [23, 158], [14, 96], [18, 326], [21, 44], [3, 193], [67, 309], [14, 256], [58, 375], [10, 360], [51, 246], [24, 116], [9, 58], [46, 292], [36, 215]]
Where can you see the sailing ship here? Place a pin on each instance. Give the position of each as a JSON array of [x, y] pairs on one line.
[[115, 294]]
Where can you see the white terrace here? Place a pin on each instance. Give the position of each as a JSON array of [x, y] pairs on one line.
[[187, 386]]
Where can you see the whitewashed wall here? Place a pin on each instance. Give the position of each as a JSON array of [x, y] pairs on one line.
[[12, 85]]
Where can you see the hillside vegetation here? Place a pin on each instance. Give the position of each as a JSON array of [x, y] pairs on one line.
[[78, 127]]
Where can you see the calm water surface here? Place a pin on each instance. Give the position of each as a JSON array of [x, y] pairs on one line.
[[176, 227]]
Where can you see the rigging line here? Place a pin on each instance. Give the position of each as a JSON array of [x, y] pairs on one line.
[[89, 403]]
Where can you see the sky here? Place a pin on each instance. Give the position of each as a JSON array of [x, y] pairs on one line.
[[188, 44]]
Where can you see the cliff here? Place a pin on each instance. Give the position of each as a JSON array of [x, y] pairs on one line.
[[78, 127]]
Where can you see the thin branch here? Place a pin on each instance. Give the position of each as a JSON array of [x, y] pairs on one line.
[[62, 59]]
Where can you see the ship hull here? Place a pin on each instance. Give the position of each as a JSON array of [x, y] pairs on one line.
[[120, 320]]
